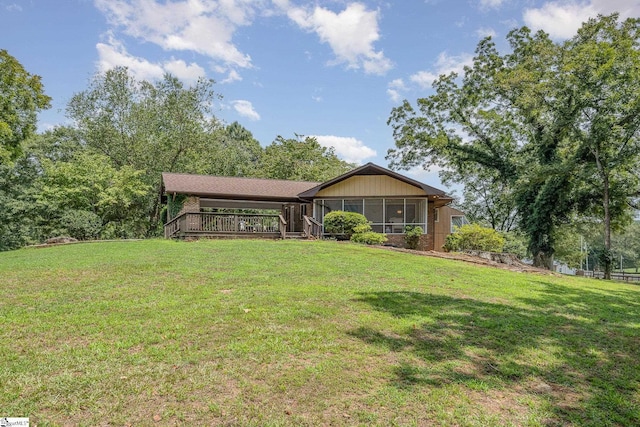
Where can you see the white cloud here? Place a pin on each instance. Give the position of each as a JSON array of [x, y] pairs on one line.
[[395, 89], [245, 109], [184, 71], [491, 4], [232, 77], [113, 53], [202, 26], [424, 79], [351, 34], [13, 7], [561, 19], [349, 149], [445, 64], [486, 32]]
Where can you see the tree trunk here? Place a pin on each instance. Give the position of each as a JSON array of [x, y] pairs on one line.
[[607, 228], [543, 260]]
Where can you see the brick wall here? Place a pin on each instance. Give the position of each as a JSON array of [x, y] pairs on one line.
[[425, 243], [191, 204]]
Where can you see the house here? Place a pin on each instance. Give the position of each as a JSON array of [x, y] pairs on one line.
[[214, 206]]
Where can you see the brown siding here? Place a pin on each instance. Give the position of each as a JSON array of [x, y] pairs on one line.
[[442, 228], [370, 186]]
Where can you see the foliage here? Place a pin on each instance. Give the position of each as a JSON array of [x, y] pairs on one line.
[[21, 97], [375, 333], [150, 127], [474, 237], [18, 215], [343, 223], [602, 74], [363, 233], [90, 183], [553, 124], [486, 198], [81, 225], [412, 236], [515, 243], [301, 160]]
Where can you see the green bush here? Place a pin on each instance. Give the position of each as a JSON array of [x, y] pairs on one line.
[[81, 225], [362, 234], [515, 243], [474, 237], [412, 236], [343, 223], [369, 238]]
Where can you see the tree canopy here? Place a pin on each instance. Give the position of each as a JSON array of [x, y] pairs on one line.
[[21, 97], [301, 159], [552, 125]]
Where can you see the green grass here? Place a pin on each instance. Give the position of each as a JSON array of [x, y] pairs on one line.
[[277, 333]]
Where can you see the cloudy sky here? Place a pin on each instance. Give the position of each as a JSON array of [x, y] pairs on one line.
[[328, 68]]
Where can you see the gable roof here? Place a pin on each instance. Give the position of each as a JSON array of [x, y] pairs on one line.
[[260, 189], [373, 169], [234, 188]]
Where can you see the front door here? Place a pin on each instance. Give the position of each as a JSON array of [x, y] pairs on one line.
[[290, 217]]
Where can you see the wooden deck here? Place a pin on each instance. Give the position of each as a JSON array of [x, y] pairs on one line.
[[205, 224]]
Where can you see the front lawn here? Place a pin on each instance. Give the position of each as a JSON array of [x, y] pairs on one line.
[[307, 333]]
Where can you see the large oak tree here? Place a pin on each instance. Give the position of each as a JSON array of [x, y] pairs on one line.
[[541, 119]]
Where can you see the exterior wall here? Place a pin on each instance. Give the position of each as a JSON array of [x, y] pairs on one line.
[[370, 186], [425, 243], [442, 228], [191, 204]]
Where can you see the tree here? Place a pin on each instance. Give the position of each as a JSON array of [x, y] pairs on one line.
[[486, 199], [231, 151], [302, 160], [21, 97], [601, 73], [151, 127], [531, 119], [89, 186]]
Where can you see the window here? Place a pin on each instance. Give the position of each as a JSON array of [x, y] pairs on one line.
[[394, 216], [457, 221], [353, 205]]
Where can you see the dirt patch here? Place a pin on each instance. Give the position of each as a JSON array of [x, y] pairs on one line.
[[513, 264]]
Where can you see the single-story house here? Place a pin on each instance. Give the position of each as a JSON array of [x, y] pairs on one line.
[[217, 206]]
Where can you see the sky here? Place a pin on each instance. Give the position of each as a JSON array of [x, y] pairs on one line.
[[333, 69]]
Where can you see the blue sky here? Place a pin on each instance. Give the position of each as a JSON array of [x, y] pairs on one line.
[[333, 69]]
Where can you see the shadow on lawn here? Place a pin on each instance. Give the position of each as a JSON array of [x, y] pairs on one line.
[[578, 348]]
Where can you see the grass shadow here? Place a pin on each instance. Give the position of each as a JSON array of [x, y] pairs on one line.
[[577, 348]]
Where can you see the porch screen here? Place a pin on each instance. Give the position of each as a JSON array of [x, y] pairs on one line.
[[386, 215]]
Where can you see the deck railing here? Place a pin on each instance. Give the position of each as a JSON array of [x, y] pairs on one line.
[[206, 222], [312, 227], [283, 226]]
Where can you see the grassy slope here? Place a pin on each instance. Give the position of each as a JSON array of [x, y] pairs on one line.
[[307, 333]]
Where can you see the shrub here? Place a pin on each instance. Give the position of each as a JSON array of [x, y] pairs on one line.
[[81, 225], [515, 243], [474, 237], [412, 236], [362, 233], [343, 223], [369, 238]]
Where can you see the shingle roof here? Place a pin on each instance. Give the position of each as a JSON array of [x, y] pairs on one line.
[[234, 187]]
